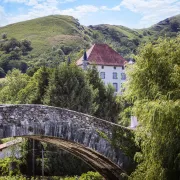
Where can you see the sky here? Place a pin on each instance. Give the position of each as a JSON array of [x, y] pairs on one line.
[[129, 13]]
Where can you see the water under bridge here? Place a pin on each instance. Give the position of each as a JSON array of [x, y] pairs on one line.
[[74, 132]]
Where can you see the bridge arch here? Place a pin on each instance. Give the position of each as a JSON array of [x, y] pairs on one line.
[[72, 131]]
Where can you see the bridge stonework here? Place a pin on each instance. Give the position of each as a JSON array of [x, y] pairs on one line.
[[72, 131]]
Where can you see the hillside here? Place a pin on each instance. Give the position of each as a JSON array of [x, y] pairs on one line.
[[55, 37], [126, 40], [47, 32], [122, 39]]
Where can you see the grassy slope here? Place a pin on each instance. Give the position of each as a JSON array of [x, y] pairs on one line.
[[163, 28], [126, 41], [122, 39], [46, 32]]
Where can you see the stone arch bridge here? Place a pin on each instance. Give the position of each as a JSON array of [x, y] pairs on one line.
[[72, 131]]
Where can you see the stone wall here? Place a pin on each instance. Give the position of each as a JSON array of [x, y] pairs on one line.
[[25, 120]]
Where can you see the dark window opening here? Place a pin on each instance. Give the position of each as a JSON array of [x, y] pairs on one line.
[[115, 75], [102, 75], [115, 86]]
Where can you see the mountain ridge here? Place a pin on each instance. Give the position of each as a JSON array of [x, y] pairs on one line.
[[57, 31]]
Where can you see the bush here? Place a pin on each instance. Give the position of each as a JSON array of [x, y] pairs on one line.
[[4, 36], [175, 26], [2, 73], [91, 176], [66, 49]]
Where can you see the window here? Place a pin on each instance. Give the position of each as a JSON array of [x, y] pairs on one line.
[[114, 67], [122, 67], [102, 67], [115, 86], [115, 75], [123, 76], [102, 75]]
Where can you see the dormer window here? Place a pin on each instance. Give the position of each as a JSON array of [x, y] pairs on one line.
[[115, 75], [102, 75]]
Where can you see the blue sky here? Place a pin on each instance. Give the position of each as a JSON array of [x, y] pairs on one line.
[[130, 13]]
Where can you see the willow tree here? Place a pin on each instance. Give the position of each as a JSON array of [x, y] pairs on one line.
[[154, 88]]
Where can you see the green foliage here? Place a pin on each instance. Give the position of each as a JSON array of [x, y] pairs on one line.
[[25, 46], [31, 70], [9, 166], [10, 45], [12, 178], [91, 176], [14, 82], [68, 88], [34, 91], [12, 52], [66, 49], [4, 35], [156, 71], [154, 88], [2, 73], [46, 32]]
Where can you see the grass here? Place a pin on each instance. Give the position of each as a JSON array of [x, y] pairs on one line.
[[46, 32], [57, 30]]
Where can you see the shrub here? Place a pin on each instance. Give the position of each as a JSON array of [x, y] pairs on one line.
[[91, 176]]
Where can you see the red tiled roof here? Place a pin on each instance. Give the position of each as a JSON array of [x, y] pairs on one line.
[[102, 54]]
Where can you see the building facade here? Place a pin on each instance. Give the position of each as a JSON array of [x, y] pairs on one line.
[[109, 63]]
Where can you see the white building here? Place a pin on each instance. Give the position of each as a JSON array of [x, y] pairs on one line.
[[109, 64]]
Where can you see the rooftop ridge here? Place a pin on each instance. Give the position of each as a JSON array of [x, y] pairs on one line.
[[102, 54]]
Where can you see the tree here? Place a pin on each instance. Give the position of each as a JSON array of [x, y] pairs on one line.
[[25, 46], [154, 88], [4, 36], [68, 88], [15, 81], [4, 62], [108, 106], [10, 45], [175, 25], [34, 92], [2, 73]]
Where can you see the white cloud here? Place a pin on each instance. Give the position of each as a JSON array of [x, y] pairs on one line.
[[32, 3], [152, 10], [105, 8], [16, 1], [3, 17], [67, 1], [40, 8]]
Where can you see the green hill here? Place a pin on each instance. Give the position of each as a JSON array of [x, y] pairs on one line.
[[169, 27], [47, 32], [126, 40], [64, 35]]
